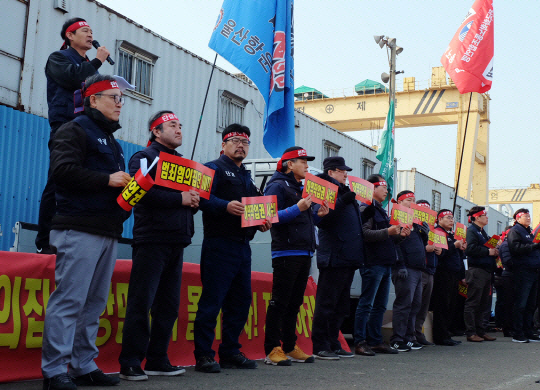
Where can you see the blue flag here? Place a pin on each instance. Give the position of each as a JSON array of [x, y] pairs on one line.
[[257, 37]]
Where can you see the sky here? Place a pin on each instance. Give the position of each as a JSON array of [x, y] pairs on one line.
[[335, 49]]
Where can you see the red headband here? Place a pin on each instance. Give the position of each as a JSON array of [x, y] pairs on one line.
[[290, 155], [380, 183], [518, 215], [479, 214], [77, 25], [100, 86], [444, 214], [162, 119], [423, 204], [405, 196], [235, 134]]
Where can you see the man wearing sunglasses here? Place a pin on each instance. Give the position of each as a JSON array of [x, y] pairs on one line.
[[87, 166]]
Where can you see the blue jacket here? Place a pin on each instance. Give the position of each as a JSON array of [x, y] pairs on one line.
[[341, 241], [160, 216], [525, 254]]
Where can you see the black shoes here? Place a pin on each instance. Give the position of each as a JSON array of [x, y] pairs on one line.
[[384, 348], [163, 369], [207, 364], [59, 382], [327, 355], [423, 341], [448, 342], [134, 373], [401, 346], [344, 354], [96, 378], [415, 345], [237, 361]]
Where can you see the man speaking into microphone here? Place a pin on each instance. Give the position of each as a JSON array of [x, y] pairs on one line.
[[66, 69]]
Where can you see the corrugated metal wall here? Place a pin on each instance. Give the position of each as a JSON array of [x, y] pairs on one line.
[[23, 170]]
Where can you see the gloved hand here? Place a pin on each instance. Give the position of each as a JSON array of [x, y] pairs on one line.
[[348, 198], [424, 228], [403, 273], [536, 246]]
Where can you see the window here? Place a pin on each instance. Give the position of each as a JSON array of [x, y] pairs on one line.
[[436, 200], [457, 216], [137, 67], [330, 149], [367, 168], [499, 227], [230, 110], [467, 213]]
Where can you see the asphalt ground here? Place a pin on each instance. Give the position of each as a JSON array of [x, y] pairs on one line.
[[496, 365]]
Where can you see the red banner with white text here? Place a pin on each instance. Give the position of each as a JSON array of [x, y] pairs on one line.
[[27, 280]]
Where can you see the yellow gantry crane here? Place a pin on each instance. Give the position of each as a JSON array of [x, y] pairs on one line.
[[440, 104], [519, 196]]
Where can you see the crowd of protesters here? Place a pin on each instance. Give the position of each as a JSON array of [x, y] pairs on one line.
[[84, 222]]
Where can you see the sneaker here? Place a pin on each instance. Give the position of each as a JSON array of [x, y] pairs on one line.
[[47, 250], [96, 378], [207, 364], [166, 369], [520, 339], [133, 373], [277, 358], [59, 382], [534, 338], [384, 348], [327, 355], [401, 346], [415, 345], [237, 361], [343, 354], [297, 355]]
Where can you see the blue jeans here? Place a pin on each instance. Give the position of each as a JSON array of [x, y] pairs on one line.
[[372, 304], [526, 281]]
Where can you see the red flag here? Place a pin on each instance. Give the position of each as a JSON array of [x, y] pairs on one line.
[[469, 56]]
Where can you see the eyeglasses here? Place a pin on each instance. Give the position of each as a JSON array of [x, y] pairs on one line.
[[340, 171], [238, 141], [117, 98]]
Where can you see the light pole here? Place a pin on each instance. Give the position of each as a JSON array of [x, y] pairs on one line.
[[390, 43]]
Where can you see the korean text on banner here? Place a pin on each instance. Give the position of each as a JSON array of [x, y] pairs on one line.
[[183, 175], [362, 188], [536, 234], [256, 36], [133, 192], [401, 215], [423, 214], [493, 241], [469, 56], [320, 190], [461, 232], [437, 238], [259, 209]]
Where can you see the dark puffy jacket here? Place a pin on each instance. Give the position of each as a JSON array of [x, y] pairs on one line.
[[380, 247], [412, 250], [478, 254], [298, 234], [160, 216], [506, 257], [83, 155], [431, 263], [65, 72], [525, 254], [341, 241]]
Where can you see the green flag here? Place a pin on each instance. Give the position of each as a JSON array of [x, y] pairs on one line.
[[385, 154]]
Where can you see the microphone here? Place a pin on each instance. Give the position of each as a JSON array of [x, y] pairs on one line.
[[96, 45]]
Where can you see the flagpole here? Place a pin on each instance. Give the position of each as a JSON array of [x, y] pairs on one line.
[[204, 104], [461, 159]]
